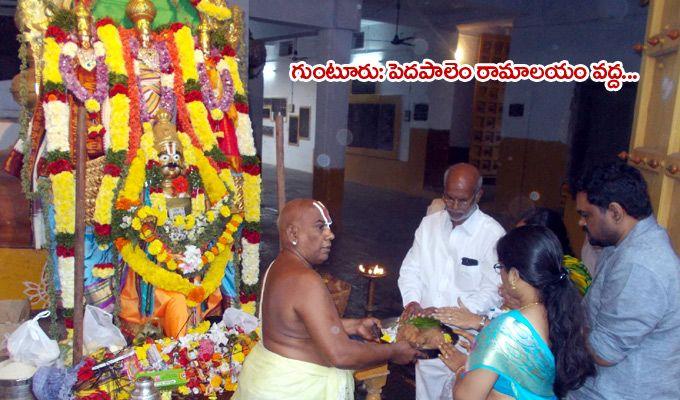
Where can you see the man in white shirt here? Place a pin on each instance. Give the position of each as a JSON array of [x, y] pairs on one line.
[[451, 259]]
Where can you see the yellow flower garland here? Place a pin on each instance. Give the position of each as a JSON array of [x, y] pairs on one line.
[[104, 201], [198, 115], [134, 183], [214, 187], [251, 197], [64, 197], [92, 105], [232, 65], [120, 127], [108, 35], [185, 50], [228, 179], [51, 61], [146, 142], [220, 13], [137, 259]]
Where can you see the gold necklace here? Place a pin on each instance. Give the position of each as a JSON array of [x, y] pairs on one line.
[[529, 305]]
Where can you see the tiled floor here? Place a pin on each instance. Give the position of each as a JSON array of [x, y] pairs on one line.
[[378, 226]]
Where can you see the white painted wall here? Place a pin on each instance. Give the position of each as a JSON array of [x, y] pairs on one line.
[[579, 31], [301, 94], [439, 95]]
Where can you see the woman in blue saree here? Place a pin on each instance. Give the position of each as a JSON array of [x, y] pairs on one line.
[[536, 351]]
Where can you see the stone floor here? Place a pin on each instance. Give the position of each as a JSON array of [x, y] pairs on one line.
[[378, 227]]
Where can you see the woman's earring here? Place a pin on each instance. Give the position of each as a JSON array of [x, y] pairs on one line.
[[294, 242], [512, 285]]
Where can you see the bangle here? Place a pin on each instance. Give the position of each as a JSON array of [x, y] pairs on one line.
[[482, 323], [462, 367]]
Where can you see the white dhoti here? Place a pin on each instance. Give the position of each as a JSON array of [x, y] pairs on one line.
[[434, 380], [269, 376]]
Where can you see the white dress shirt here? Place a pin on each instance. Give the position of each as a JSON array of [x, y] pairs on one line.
[[433, 274]]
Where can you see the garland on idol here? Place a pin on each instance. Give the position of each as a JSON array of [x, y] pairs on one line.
[[148, 251]]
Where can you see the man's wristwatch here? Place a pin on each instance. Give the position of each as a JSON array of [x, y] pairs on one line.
[[482, 323]]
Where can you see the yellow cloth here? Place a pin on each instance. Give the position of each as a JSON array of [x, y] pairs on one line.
[[269, 376]]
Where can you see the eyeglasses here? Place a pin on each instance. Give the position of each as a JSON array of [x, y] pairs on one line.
[[498, 267], [458, 202]]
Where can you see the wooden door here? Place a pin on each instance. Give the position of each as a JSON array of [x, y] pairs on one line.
[[655, 143]]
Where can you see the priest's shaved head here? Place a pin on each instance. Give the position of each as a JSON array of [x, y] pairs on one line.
[[304, 228]]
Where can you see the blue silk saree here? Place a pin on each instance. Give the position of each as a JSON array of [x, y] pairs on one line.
[[511, 347]]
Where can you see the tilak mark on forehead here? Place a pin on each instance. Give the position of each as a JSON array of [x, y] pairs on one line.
[[171, 148], [319, 206]]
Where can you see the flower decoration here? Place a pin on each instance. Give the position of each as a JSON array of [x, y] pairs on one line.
[[216, 11], [180, 184]]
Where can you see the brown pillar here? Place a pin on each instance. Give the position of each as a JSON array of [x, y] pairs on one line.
[[332, 101]]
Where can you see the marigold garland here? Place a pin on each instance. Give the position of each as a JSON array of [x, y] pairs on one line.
[[148, 270], [128, 141], [198, 115], [232, 65], [251, 196], [63, 185], [185, 51], [108, 34], [119, 130], [138, 260], [228, 179], [214, 186], [104, 200], [51, 62], [134, 183]]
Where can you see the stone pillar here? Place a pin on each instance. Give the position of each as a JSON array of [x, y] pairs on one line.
[[332, 101]]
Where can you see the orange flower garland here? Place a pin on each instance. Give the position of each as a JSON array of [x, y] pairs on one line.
[[133, 94], [182, 113]]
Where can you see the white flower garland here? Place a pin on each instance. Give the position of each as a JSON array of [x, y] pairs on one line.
[[56, 125], [250, 262], [67, 280], [244, 135]]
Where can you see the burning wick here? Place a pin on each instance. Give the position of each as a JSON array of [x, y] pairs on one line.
[[375, 270]]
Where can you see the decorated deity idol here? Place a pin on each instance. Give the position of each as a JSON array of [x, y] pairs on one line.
[[176, 210], [175, 184], [152, 65], [86, 77], [176, 231]]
